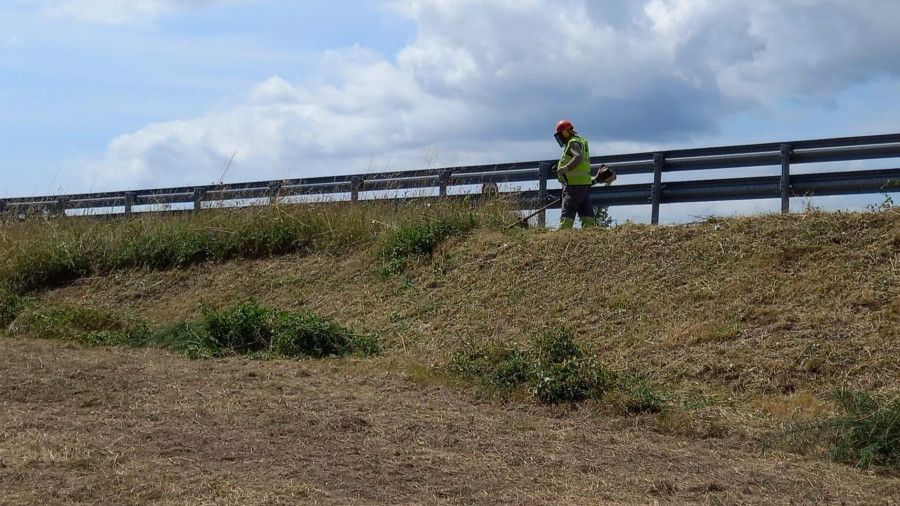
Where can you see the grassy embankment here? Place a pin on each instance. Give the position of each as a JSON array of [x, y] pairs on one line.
[[780, 329]]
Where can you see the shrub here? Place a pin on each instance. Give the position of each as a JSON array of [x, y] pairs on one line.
[[501, 367]]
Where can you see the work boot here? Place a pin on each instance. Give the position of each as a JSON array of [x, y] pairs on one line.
[[605, 175], [588, 222], [566, 223]]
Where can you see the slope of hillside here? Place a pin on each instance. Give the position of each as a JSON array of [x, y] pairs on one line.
[[740, 324], [766, 304]]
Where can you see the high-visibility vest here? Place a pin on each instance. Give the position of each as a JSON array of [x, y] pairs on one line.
[[581, 174]]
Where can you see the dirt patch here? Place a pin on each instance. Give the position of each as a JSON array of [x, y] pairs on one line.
[[116, 426]]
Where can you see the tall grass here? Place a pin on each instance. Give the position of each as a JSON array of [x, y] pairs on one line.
[[420, 239], [47, 252]]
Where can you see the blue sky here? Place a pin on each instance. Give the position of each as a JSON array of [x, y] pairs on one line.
[[102, 95]]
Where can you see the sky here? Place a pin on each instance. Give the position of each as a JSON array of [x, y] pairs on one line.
[[109, 95]]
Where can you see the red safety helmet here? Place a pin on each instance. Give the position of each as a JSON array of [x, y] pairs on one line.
[[564, 125], [560, 127]]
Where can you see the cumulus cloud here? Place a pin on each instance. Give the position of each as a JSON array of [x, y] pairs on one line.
[[114, 12], [486, 79]]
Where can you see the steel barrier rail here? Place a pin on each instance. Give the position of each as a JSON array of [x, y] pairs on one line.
[[656, 193]]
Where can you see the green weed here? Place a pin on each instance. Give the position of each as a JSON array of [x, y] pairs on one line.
[[241, 328], [10, 306], [866, 434], [552, 368], [307, 334], [421, 239], [245, 328]]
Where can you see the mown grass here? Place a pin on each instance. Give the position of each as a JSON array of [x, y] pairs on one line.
[[685, 304], [554, 369], [245, 328]]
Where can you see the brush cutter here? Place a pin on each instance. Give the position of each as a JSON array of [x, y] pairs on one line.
[[604, 175]]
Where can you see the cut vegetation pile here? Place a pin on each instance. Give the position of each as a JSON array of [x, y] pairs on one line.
[[751, 324]]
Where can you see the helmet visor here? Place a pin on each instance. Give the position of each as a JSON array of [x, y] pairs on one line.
[[559, 139]]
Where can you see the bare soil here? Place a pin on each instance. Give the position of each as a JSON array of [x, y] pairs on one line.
[[123, 426]]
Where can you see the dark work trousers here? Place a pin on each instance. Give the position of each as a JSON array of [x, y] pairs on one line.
[[576, 199]]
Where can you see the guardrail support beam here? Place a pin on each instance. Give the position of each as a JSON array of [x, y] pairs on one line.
[[274, 190], [356, 183], [544, 175], [786, 178], [199, 193], [443, 182], [61, 205], [129, 202], [656, 191]]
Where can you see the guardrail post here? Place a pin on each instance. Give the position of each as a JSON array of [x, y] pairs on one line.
[[274, 190], [199, 193], [355, 184], [544, 175], [656, 190], [129, 202], [61, 204], [786, 178], [443, 182]]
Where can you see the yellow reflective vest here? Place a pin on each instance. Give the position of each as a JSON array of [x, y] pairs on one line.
[[581, 174]]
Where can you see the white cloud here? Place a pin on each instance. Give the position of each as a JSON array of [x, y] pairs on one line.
[[486, 74], [114, 12]]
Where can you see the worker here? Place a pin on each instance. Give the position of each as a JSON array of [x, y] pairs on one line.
[[574, 172]]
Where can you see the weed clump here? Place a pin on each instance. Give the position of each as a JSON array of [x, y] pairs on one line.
[[242, 328], [10, 306], [869, 431], [866, 433], [246, 328], [552, 368], [421, 239], [307, 334]]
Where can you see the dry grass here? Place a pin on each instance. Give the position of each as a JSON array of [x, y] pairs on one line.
[[123, 426], [748, 322], [749, 306]]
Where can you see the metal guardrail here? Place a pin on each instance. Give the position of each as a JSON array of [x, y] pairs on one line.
[[785, 186]]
